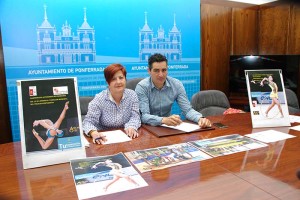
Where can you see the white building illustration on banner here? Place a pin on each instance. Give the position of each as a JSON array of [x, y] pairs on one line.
[[65, 47], [169, 45]]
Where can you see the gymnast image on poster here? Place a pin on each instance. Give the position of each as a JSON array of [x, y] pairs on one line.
[[116, 171], [52, 128], [273, 94]]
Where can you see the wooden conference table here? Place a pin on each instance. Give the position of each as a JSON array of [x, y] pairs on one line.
[[264, 174]]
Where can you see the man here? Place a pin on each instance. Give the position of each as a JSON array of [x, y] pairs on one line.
[[157, 94]]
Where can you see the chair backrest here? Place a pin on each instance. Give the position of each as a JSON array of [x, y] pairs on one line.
[[131, 84], [84, 105], [210, 102], [292, 101]]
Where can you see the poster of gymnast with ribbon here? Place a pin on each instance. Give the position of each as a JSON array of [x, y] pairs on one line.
[[267, 99]]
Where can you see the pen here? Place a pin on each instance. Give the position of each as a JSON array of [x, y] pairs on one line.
[[99, 138]]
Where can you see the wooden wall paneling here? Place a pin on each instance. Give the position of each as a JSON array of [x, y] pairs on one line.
[[274, 30], [294, 36], [5, 135], [231, 4], [215, 40], [244, 32]]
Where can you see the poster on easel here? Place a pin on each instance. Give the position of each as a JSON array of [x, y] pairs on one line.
[[50, 121], [267, 99]]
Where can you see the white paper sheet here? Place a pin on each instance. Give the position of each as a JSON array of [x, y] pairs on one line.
[[116, 137], [270, 136], [294, 118], [297, 128], [184, 126]]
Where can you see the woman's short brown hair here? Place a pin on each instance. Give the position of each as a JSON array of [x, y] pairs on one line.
[[110, 71]]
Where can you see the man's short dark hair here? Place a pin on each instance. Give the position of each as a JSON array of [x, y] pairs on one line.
[[157, 57]]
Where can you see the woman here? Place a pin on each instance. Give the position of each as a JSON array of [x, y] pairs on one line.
[[116, 172], [115, 107], [273, 94], [52, 129]]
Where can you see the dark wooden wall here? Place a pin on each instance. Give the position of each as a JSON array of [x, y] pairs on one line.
[[294, 35], [274, 30], [215, 36], [239, 29], [244, 38]]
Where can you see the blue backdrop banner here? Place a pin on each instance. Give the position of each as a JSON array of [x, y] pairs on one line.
[[48, 39]]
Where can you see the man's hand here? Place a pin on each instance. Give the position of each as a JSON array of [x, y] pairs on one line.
[[172, 120], [131, 132], [98, 137], [203, 123]]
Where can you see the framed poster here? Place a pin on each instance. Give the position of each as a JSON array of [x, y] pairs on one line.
[[50, 121], [267, 99]]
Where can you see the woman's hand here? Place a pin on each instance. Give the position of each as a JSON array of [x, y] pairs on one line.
[[98, 137], [131, 132]]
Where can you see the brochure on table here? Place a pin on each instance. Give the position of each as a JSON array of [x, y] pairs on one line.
[[50, 121], [98, 176], [267, 99], [225, 145], [165, 156]]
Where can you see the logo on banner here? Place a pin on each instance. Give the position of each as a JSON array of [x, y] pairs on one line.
[[60, 90], [82, 49], [32, 91], [167, 44]]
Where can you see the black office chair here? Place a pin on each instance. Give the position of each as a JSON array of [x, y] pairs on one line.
[[84, 105], [292, 101], [210, 102], [131, 84]]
